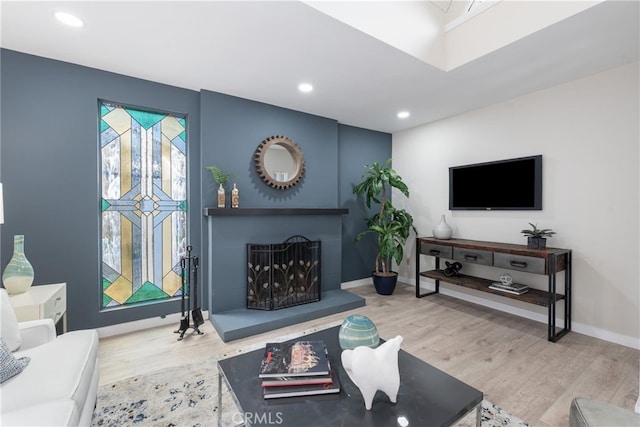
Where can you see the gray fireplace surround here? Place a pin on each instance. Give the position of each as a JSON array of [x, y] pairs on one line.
[[230, 230]]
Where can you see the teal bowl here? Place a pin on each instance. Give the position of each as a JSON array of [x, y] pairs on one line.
[[357, 330]]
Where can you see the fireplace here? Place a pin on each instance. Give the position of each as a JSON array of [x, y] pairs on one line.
[[281, 275]]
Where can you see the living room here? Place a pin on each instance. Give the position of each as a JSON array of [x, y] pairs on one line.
[[586, 129]]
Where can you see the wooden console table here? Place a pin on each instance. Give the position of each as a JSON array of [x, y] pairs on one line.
[[508, 256]]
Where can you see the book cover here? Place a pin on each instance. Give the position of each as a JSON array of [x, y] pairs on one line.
[[303, 390], [511, 286], [289, 381], [300, 358], [510, 290]]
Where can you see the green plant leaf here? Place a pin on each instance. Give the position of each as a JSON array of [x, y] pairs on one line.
[[219, 176], [536, 232], [392, 226]]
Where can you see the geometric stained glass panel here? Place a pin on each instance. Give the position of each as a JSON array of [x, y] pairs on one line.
[[143, 204]]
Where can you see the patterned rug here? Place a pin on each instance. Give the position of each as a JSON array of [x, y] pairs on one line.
[[184, 396], [188, 396]]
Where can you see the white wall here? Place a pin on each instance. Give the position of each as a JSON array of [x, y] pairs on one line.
[[415, 27], [588, 133], [502, 23], [448, 40]]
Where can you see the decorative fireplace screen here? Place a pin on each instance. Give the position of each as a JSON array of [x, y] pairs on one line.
[[281, 275]]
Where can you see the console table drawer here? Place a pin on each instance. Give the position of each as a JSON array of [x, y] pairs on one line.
[[442, 251], [473, 255], [519, 263]]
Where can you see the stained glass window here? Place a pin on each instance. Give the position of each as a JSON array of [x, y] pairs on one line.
[[143, 204]]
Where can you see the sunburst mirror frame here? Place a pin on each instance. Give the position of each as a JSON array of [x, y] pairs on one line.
[[296, 156]]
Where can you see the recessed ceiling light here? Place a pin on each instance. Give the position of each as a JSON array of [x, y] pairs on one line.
[[69, 19], [403, 114], [305, 87]]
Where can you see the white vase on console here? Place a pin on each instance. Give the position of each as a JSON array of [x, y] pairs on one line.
[[443, 230]]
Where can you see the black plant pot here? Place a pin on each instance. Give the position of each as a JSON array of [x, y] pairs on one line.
[[385, 285], [536, 242]]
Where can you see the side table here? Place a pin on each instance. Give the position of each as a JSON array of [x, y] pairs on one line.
[[43, 302]]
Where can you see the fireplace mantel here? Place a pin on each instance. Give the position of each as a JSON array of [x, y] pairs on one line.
[[273, 211]]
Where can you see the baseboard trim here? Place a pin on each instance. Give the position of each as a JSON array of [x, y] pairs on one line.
[[138, 325], [356, 283], [578, 327]]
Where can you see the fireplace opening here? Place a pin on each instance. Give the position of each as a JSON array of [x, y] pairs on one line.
[[281, 275]]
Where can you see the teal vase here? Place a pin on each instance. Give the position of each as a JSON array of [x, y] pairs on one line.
[[357, 330], [18, 275]]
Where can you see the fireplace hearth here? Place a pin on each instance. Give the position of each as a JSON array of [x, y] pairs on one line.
[[281, 275]]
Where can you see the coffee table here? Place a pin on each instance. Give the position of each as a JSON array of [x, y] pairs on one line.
[[427, 396]]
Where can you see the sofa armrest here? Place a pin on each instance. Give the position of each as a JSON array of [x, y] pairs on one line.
[[36, 332], [594, 413]]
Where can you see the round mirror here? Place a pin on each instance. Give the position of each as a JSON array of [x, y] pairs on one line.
[[279, 162]]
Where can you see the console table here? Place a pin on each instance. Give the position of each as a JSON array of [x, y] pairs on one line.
[[507, 256]]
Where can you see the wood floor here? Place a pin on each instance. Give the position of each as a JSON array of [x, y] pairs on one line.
[[505, 356]]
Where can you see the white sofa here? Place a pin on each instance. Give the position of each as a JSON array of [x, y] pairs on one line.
[[58, 386]]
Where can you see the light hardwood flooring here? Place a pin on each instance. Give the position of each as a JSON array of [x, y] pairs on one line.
[[505, 356]]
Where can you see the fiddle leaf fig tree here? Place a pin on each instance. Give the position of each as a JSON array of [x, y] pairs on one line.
[[391, 225]]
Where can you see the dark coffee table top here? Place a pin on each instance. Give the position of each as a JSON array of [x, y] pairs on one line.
[[427, 396]]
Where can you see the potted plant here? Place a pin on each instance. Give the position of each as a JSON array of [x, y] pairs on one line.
[[536, 237], [221, 178], [392, 226]]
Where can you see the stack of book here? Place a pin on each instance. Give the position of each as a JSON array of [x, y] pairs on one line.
[[300, 368], [511, 288]]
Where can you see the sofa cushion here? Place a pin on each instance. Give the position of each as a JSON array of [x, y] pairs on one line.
[[50, 414], [59, 370], [9, 322], [9, 365]]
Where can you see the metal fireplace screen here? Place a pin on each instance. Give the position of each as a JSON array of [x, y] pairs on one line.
[[284, 274]]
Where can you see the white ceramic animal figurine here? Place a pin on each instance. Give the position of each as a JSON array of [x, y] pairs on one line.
[[374, 369]]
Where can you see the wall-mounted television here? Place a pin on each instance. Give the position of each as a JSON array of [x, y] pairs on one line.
[[512, 184]]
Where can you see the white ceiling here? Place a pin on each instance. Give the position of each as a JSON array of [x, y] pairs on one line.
[[262, 50]]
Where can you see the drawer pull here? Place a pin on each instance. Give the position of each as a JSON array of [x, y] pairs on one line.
[[59, 298], [471, 257], [434, 252], [518, 264]]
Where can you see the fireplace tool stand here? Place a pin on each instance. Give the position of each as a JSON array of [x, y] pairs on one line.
[[189, 266]]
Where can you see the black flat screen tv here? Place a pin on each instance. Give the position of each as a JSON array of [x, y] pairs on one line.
[[512, 184]]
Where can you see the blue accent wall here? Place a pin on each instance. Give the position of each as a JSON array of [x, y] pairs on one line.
[[358, 147], [232, 129], [49, 168], [50, 173]]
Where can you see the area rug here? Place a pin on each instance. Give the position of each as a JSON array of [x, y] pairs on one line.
[[188, 396], [183, 396]]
